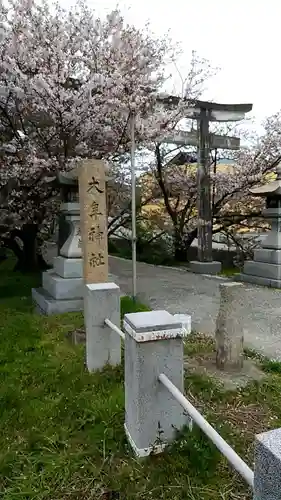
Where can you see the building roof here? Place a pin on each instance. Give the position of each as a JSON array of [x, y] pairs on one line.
[[184, 158]]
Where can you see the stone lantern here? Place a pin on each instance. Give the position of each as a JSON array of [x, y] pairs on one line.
[[265, 269], [69, 246], [62, 286], [68, 186]]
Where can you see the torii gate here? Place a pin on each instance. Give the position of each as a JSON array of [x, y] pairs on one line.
[[204, 112]]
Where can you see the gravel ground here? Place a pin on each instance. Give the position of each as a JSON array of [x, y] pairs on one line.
[[179, 291]]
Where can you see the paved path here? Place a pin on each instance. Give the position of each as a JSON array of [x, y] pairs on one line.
[[179, 291]]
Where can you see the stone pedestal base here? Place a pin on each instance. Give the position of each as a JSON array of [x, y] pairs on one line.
[[213, 267], [265, 269], [68, 268], [47, 305], [259, 280], [62, 288]]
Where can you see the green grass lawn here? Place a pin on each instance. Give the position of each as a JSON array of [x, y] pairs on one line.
[[61, 428], [231, 271]]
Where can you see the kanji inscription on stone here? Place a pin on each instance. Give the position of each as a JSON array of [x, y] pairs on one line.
[[95, 233], [96, 259], [95, 186], [92, 197]]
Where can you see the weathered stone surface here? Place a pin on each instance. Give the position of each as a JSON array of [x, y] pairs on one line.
[[72, 247], [267, 255], [273, 240], [152, 415], [64, 283], [46, 304], [93, 221], [229, 327], [213, 267], [68, 268], [102, 301], [259, 280], [268, 466], [62, 288], [185, 320], [152, 325], [262, 269], [266, 264]]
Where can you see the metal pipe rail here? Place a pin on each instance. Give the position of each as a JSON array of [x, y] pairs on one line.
[[114, 328], [218, 441]]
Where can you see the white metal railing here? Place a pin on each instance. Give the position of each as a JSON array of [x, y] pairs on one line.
[[218, 441], [114, 328]]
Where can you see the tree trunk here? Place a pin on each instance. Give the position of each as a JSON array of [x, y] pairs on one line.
[[182, 243], [24, 244], [180, 252], [190, 238]]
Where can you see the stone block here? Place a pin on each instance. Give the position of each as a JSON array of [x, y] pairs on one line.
[[229, 327], [153, 345], [70, 207], [263, 269], [267, 472], [213, 267], [68, 268], [46, 304], [258, 280], [273, 240], [112, 278], [73, 268], [62, 288], [185, 320], [103, 346], [152, 325], [267, 255]]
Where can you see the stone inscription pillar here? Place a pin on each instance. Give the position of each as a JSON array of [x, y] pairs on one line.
[[92, 198]]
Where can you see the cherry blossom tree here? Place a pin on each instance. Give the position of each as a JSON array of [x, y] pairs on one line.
[[233, 206], [69, 83]]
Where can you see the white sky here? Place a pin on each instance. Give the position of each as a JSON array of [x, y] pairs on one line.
[[241, 37]]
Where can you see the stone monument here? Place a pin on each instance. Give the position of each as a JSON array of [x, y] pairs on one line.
[[265, 269], [93, 221], [62, 286], [83, 257]]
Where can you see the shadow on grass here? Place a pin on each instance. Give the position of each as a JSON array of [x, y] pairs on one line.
[[15, 287], [128, 305]]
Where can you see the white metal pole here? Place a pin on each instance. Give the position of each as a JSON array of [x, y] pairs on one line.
[[134, 229], [220, 443]]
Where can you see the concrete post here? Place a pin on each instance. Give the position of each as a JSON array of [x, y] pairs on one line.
[[229, 327], [268, 466], [103, 346], [153, 345]]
